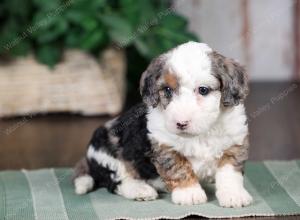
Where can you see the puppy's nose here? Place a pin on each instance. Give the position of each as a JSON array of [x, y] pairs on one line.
[[182, 125]]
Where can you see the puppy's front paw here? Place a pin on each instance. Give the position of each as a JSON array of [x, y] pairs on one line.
[[189, 195], [233, 198]]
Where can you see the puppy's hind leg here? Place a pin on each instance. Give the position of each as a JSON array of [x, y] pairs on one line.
[[120, 180], [83, 182], [136, 189]]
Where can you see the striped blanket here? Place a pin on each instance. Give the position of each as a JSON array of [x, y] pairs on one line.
[[49, 194]]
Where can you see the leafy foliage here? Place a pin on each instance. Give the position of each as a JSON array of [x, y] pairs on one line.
[[144, 28]]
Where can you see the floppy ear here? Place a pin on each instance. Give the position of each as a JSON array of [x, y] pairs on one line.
[[233, 79], [148, 82]]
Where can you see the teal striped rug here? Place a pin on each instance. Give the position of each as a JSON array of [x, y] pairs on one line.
[[49, 194]]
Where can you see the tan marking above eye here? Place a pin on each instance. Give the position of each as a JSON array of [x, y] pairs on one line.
[[171, 80]]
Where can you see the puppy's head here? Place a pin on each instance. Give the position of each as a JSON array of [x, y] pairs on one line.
[[190, 85]]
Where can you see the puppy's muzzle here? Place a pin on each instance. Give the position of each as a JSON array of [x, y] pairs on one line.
[[182, 125]]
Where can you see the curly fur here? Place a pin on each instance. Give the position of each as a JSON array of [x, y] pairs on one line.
[[178, 137]]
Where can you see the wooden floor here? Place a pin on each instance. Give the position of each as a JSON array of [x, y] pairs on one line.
[[274, 116], [60, 140]]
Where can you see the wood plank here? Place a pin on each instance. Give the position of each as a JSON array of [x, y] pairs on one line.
[[272, 47], [297, 39], [60, 140], [217, 23], [260, 34], [45, 141]]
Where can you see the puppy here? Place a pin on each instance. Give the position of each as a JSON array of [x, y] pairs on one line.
[[190, 128]]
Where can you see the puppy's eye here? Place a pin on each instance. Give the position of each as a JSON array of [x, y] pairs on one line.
[[203, 90], [168, 91]]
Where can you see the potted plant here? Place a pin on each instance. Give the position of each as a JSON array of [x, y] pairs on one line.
[[71, 55]]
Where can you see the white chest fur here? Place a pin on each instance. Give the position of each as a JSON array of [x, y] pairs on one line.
[[204, 150]]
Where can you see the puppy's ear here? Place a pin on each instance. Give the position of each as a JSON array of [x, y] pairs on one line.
[[233, 79], [148, 83]]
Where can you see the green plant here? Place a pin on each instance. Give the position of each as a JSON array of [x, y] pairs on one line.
[[46, 27], [145, 28]]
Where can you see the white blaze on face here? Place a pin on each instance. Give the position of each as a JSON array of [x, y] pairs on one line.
[[192, 66]]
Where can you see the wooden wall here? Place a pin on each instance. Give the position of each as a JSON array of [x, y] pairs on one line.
[[262, 34]]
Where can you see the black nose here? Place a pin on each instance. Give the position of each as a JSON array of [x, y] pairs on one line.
[[182, 125]]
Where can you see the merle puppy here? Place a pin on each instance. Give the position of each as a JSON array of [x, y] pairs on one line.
[[190, 128]]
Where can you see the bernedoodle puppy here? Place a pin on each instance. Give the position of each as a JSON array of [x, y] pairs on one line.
[[190, 128]]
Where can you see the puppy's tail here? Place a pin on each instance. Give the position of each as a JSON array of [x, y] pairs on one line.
[[82, 180]]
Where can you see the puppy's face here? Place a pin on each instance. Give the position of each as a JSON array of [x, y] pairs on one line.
[[190, 85]]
